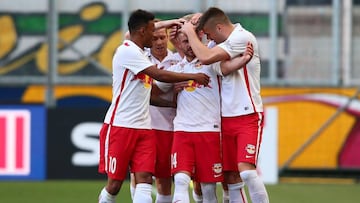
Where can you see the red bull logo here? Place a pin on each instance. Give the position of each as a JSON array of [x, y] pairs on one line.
[[192, 85], [14, 142], [144, 79]]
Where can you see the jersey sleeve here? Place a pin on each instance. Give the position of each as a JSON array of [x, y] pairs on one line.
[[134, 60], [217, 68], [165, 87], [235, 44]]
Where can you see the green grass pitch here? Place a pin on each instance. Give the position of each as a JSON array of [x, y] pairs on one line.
[[74, 191]]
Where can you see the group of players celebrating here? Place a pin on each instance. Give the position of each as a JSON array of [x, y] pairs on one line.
[[196, 114]]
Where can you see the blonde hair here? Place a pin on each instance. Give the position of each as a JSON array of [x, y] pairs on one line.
[[188, 17]]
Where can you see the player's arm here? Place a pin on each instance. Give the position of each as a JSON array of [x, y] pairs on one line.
[[238, 62], [173, 39], [171, 77], [169, 23], [156, 100], [203, 53], [179, 86], [161, 24]]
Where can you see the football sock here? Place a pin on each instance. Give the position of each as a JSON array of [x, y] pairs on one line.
[[209, 192], [181, 192], [143, 193], [225, 198], [237, 193], [197, 198], [106, 197], [132, 191], [255, 186], [163, 198]]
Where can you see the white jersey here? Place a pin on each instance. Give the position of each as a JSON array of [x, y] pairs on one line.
[[240, 90], [162, 117], [198, 106], [131, 89]]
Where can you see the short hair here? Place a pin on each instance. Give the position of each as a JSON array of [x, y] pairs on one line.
[[215, 15], [139, 18]]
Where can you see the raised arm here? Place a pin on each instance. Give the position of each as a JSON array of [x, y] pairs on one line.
[[169, 23], [202, 52]]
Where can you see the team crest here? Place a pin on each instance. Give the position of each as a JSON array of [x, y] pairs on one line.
[[198, 65], [250, 149], [217, 168]]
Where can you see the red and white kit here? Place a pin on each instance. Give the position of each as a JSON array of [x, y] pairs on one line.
[[126, 137], [197, 125], [242, 117], [162, 121]]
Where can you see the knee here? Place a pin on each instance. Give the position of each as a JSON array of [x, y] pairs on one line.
[[143, 177], [113, 187], [163, 185], [232, 177], [181, 179], [243, 166]]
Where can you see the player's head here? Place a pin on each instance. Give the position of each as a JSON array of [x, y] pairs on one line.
[[194, 18], [160, 42], [184, 46], [142, 22], [212, 23]]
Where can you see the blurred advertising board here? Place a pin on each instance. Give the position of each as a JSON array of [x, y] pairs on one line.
[[22, 142], [73, 142]]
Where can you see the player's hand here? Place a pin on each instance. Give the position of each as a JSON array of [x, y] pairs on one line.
[[249, 52], [169, 23], [195, 19], [187, 27], [173, 31], [179, 86], [202, 79], [174, 22]]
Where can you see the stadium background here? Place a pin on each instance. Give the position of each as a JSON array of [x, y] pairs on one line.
[[55, 81]]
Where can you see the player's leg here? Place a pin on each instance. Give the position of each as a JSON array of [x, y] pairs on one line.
[[143, 165], [163, 176], [208, 168], [181, 187], [163, 186], [113, 160], [209, 192], [109, 192], [196, 192], [143, 187], [235, 187], [225, 192], [232, 178], [256, 187], [182, 165], [132, 185], [249, 145]]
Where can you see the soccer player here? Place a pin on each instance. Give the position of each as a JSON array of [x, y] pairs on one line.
[[242, 108], [126, 138], [162, 118], [162, 114], [197, 127]]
